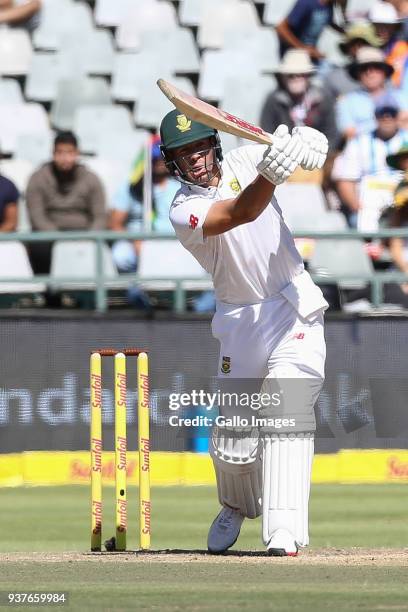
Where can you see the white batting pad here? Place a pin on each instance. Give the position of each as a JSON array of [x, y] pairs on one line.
[[287, 464], [238, 469]]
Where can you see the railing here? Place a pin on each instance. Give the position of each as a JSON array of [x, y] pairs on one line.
[[377, 279]]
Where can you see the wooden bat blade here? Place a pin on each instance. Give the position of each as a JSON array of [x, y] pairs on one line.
[[196, 109]]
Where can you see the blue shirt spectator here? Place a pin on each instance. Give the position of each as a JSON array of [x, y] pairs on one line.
[[355, 111], [9, 196], [303, 26]]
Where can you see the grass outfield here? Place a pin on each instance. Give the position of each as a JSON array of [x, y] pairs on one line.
[[48, 521]]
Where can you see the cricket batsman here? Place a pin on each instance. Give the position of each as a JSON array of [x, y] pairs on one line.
[[268, 319]]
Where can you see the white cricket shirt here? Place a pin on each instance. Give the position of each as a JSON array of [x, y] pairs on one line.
[[254, 261]]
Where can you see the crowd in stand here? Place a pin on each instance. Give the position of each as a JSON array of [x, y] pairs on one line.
[[361, 106]]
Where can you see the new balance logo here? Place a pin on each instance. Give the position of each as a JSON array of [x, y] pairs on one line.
[[299, 336]]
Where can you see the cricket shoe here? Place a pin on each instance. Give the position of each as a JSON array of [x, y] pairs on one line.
[[282, 544], [225, 530]]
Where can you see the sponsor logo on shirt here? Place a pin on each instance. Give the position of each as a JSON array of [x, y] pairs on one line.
[[299, 336], [226, 365], [235, 186], [193, 222], [183, 124]]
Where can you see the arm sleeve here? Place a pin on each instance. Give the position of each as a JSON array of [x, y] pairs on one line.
[[299, 13], [187, 218], [36, 207], [12, 194], [97, 205]]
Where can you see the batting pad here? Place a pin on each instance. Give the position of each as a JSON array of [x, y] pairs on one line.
[[238, 469], [287, 465]]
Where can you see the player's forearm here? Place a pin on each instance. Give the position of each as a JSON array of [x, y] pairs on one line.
[[253, 200], [19, 13]]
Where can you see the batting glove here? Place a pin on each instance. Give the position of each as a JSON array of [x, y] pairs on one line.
[[317, 147], [282, 157]]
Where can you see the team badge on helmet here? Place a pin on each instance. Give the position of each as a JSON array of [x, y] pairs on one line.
[[226, 365], [183, 124], [235, 186]]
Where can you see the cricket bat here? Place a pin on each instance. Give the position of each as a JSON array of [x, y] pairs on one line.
[[213, 117]]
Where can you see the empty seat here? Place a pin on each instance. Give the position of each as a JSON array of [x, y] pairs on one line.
[[152, 105], [301, 200], [342, 258], [217, 67], [261, 44], [90, 121], [142, 18], [72, 94], [59, 18], [15, 52], [110, 14], [10, 92], [162, 261], [46, 71], [75, 261], [176, 48], [34, 148], [16, 119], [124, 149], [276, 10], [14, 264], [192, 11], [18, 171], [133, 70], [111, 172], [231, 15], [95, 53], [245, 96]]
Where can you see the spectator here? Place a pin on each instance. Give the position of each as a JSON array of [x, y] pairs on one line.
[[398, 247], [355, 110], [338, 80], [302, 28], [20, 13], [388, 27], [365, 159], [9, 197], [296, 101], [127, 210], [63, 195]]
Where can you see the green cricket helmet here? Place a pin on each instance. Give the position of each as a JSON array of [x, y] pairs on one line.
[[177, 130]]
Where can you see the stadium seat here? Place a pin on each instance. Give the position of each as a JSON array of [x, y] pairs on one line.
[[231, 15], [276, 10], [229, 142], [95, 53], [217, 67], [262, 44], [91, 120], [147, 16], [111, 172], [14, 263], [77, 260], [10, 92], [133, 70], [60, 17], [161, 261], [306, 199], [341, 258], [75, 93], [46, 70], [18, 171], [15, 52], [16, 119], [191, 12], [152, 105], [34, 148], [125, 149], [176, 47], [245, 96], [110, 14]]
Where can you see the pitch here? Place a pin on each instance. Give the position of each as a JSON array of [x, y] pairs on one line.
[[357, 559]]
